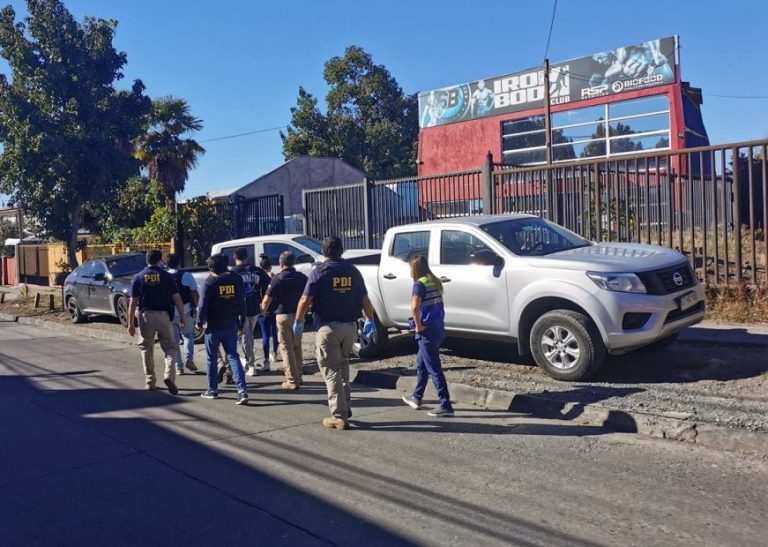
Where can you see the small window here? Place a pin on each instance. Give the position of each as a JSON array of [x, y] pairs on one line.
[[637, 107], [274, 250], [456, 247], [229, 252], [86, 270], [99, 268], [410, 244]]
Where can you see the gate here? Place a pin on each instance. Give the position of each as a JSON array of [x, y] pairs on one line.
[[33, 264], [204, 222]]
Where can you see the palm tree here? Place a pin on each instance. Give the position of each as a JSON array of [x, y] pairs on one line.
[[165, 150]]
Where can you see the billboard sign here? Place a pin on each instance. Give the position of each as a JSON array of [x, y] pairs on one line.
[[603, 74]]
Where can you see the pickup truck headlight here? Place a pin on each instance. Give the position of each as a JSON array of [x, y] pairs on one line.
[[619, 282]]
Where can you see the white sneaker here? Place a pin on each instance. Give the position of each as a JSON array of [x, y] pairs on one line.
[[265, 366], [251, 371], [274, 357]]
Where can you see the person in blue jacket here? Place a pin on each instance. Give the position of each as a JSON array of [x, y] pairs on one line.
[[222, 311], [429, 326]]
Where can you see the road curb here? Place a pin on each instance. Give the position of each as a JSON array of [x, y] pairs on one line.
[[78, 330], [660, 426]]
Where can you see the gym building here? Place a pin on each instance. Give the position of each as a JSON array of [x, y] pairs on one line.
[[613, 103]]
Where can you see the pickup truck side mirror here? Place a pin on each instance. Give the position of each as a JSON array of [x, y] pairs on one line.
[[304, 259], [484, 257]]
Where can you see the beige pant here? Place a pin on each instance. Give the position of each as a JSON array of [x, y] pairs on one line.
[[290, 348], [151, 323], [334, 344]]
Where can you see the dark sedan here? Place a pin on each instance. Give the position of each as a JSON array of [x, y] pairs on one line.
[[100, 287]]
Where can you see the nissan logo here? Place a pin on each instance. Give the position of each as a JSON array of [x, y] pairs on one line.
[[677, 278]]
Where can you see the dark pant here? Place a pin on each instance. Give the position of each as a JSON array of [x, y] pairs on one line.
[[268, 326], [428, 365], [228, 340]]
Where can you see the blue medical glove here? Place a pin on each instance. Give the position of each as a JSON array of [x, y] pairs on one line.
[[369, 327], [298, 328]]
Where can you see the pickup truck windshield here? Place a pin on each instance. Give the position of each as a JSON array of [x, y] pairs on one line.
[[310, 243], [126, 265], [534, 236]]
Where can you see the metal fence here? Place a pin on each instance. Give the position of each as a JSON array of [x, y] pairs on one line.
[[203, 222], [362, 213], [710, 203]]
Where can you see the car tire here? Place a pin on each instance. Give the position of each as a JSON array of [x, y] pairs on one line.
[[567, 345], [199, 333], [368, 347], [73, 310], [121, 310]]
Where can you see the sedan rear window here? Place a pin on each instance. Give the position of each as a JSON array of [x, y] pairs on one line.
[[126, 265]]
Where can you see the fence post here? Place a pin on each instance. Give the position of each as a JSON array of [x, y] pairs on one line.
[[368, 212], [280, 214], [304, 213], [178, 240], [489, 188]]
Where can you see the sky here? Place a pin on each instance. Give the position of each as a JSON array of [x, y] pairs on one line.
[[240, 63]]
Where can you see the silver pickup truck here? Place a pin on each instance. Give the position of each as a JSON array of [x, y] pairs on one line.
[[563, 299]]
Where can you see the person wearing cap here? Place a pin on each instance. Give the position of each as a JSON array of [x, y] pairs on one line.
[[153, 296], [283, 296], [222, 313], [336, 291]]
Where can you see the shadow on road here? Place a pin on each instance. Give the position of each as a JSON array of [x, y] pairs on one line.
[[107, 478], [679, 363]]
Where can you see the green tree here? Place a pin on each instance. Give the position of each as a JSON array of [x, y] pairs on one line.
[[8, 230], [370, 123], [66, 131], [166, 150]]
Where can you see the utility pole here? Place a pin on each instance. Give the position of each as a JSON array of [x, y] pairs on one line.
[[552, 195], [547, 114]]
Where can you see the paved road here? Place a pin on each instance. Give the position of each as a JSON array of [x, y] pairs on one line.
[[86, 458]]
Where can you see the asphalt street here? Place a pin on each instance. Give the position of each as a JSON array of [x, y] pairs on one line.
[[87, 457]]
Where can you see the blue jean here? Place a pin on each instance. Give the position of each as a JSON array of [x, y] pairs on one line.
[[189, 340], [228, 340], [428, 365], [268, 325]]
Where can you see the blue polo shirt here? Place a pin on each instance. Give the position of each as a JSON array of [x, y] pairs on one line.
[[286, 289], [154, 289], [337, 290], [222, 304]]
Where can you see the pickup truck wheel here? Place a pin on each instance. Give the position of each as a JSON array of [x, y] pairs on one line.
[[567, 345], [368, 347]]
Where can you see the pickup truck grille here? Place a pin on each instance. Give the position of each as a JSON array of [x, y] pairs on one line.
[[668, 280]]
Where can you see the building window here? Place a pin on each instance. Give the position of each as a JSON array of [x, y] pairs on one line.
[[455, 208], [593, 131]]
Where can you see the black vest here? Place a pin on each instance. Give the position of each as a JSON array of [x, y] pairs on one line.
[[184, 292]]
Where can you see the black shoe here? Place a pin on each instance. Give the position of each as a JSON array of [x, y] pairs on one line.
[[172, 389], [208, 394], [242, 398]]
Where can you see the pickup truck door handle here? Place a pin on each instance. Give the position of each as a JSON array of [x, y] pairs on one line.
[[390, 276], [445, 279]]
